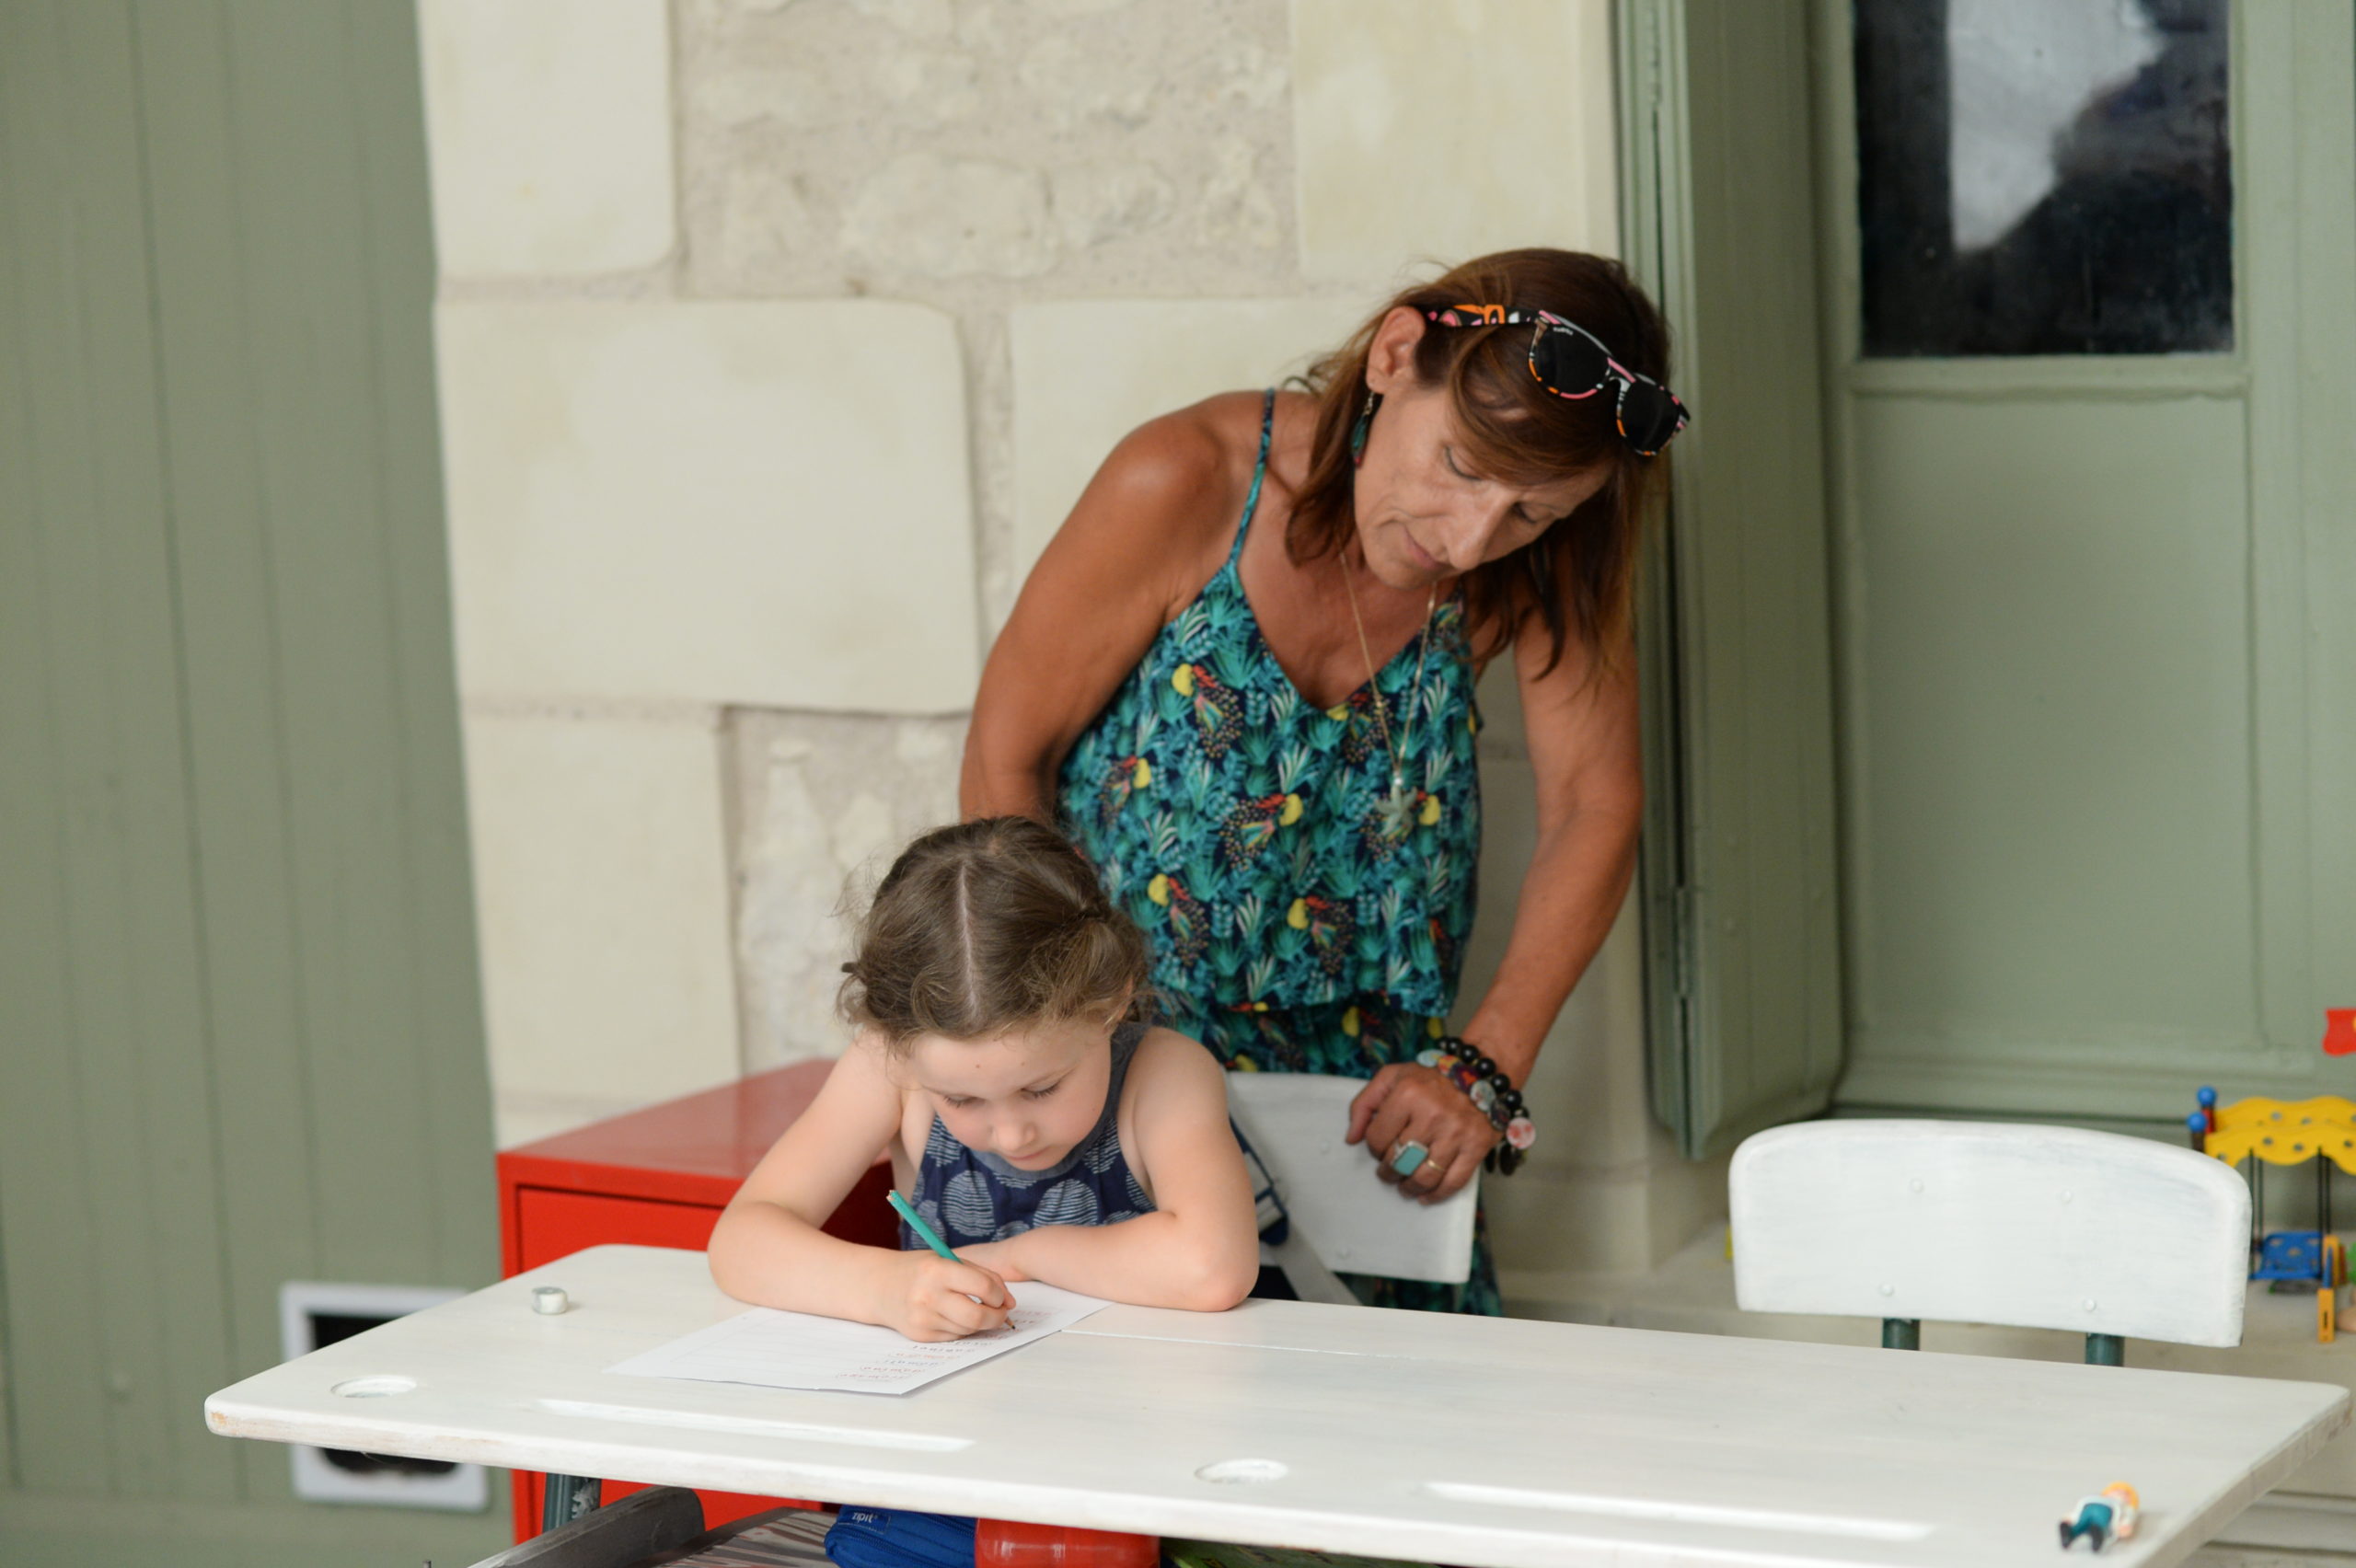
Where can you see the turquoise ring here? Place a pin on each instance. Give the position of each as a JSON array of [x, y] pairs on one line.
[[1408, 1157]]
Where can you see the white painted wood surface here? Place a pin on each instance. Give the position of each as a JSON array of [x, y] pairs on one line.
[[2038, 1227], [1486, 1442], [1353, 1220]]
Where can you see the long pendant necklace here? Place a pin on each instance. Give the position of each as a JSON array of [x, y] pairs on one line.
[[1396, 809]]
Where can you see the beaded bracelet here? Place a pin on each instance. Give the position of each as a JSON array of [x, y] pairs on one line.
[[1492, 1093]]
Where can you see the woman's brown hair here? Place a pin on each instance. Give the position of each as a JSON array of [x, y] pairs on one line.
[[1580, 575], [988, 926]]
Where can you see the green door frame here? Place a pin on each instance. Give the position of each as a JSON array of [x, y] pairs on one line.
[[1738, 874]]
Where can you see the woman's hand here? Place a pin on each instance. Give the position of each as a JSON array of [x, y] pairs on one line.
[[1413, 1104], [930, 1298]]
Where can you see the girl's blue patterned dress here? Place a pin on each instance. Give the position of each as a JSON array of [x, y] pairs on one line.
[[1300, 921]]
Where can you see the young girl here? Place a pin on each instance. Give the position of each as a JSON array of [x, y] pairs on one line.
[[1039, 1129]]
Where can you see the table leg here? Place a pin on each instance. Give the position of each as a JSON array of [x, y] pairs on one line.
[[568, 1498]]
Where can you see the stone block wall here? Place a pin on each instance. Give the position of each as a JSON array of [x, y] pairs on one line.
[[777, 337]]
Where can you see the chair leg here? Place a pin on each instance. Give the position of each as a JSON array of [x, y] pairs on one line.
[[1902, 1333], [2105, 1350]]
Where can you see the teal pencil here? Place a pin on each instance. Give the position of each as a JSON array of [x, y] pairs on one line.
[[924, 1232]]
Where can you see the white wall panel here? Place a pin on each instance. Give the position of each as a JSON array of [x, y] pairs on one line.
[[755, 502], [601, 892], [1449, 131], [1089, 372], [548, 122]]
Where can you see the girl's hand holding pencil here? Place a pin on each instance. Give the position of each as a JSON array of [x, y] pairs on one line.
[[942, 1296], [928, 1299]]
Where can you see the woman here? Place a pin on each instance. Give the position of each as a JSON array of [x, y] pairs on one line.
[[1241, 676]]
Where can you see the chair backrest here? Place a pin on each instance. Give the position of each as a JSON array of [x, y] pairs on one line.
[[1351, 1219], [2038, 1227]]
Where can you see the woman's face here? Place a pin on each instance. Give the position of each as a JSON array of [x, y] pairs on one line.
[[1425, 512], [1028, 1096]]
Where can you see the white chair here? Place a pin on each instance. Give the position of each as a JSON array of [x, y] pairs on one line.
[[1343, 1215], [2036, 1227]]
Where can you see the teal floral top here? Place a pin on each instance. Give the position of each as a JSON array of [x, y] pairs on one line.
[[1256, 840]]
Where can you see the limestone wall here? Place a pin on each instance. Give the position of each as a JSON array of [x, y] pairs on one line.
[[777, 336]]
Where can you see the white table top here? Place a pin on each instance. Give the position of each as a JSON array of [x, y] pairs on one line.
[[1486, 1442]]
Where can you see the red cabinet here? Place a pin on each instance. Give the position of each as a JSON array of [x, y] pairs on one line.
[[659, 1178]]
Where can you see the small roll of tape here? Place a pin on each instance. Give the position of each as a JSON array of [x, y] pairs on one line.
[[550, 1299]]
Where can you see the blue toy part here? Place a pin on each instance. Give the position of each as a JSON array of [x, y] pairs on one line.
[[2290, 1255], [2206, 1097], [900, 1538]]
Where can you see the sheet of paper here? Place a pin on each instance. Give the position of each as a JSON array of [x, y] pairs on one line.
[[795, 1350]]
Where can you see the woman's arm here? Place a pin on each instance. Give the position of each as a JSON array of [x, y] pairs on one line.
[[1200, 1248], [769, 1249], [1140, 544], [1585, 752]]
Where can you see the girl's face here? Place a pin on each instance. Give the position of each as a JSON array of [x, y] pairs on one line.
[[1027, 1096], [1425, 512]]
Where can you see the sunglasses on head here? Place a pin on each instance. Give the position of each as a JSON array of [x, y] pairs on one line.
[[1571, 361]]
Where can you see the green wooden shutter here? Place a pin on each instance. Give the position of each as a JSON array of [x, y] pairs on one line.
[[240, 1036], [1739, 881]]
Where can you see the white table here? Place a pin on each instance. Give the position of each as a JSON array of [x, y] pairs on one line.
[[1502, 1444]]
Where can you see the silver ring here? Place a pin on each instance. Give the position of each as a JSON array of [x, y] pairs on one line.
[[1407, 1158]]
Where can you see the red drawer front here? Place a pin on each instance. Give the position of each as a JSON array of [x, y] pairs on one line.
[[557, 1224], [719, 1507], [552, 1224]]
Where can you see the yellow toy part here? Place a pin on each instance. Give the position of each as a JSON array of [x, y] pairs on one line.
[[2286, 1133], [2257, 1107]]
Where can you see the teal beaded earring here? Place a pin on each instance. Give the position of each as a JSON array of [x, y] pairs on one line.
[[1357, 432]]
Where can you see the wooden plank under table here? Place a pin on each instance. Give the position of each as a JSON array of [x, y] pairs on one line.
[[1493, 1443]]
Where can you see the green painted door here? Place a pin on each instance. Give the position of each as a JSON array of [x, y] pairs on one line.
[[2089, 298], [240, 1038]]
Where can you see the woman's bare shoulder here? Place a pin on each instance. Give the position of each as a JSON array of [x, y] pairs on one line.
[[1184, 472], [1160, 512]]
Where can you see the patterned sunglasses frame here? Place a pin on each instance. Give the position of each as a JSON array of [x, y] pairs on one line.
[[1657, 414]]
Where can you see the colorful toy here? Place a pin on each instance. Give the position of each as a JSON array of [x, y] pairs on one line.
[[2106, 1516], [2262, 1132]]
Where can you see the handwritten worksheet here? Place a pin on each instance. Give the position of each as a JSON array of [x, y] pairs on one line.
[[795, 1350]]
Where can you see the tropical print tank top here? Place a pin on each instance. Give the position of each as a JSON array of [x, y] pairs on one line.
[[1256, 840]]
